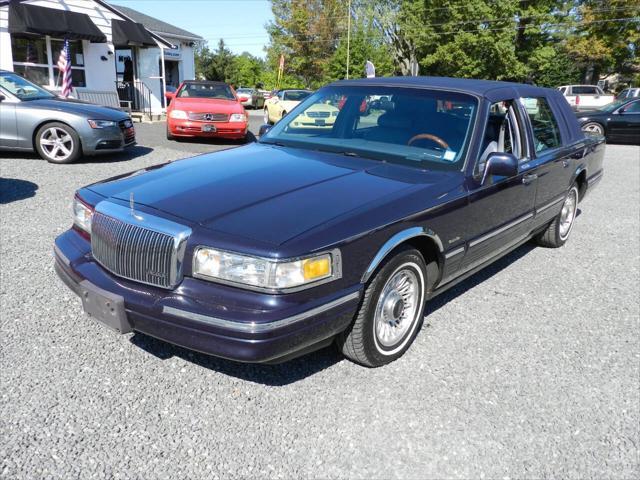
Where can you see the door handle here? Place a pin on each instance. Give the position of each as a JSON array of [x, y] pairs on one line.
[[528, 178]]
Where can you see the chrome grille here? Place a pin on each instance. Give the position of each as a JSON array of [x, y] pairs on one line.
[[208, 117], [318, 114], [131, 245]]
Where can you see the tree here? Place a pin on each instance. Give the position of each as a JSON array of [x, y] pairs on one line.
[[215, 65], [307, 33], [247, 70]]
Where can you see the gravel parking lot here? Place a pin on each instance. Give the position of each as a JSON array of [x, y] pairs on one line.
[[530, 369]]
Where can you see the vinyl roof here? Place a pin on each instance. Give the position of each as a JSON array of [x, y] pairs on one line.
[[477, 87]]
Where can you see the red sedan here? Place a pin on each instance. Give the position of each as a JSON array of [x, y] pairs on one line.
[[206, 109]]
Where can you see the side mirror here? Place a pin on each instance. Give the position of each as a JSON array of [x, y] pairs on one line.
[[264, 129], [169, 95], [502, 164], [2, 97]]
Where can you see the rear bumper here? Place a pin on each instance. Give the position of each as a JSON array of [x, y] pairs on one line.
[[188, 128], [230, 326]]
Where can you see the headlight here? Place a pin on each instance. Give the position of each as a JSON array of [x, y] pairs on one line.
[[264, 273], [178, 114], [82, 215], [237, 117], [101, 123]]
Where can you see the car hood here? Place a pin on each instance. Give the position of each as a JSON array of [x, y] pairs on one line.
[[206, 105], [266, 193], [88, 110]]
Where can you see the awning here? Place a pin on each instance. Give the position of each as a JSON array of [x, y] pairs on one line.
[[126, 34], [30, 19]]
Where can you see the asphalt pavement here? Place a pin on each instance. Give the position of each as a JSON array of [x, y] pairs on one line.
[[529, 369]]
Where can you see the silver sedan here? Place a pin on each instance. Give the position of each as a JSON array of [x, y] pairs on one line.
[[59, 130]]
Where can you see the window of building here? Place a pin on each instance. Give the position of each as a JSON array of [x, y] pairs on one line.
[[546, 133], [36, 58]]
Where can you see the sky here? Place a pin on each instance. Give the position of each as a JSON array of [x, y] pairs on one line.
[[241, 23]]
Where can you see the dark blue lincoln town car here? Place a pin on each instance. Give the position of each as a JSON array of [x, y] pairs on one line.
[[364, 202]]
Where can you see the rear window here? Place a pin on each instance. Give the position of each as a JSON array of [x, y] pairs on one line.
[[546, 133], [584, 90], [296, 95]]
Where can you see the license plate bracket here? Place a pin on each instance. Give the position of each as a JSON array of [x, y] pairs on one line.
[[105, 307], [209, 128]]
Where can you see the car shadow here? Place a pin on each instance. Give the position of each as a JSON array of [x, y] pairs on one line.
[[300, 368], [128, 154], [272, 375], [14, 189]]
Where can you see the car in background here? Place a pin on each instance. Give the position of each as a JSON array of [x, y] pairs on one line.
[[60, 130], [250, 97], [628, 93], [585, 97], [617, 122], [206, 109], [319, 115], [282, 103]]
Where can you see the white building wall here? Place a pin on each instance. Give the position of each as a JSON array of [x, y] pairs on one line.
[[188, 63], [6, 57]]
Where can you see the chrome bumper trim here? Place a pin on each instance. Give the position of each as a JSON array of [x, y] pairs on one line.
[[253, 327], [453, 253]]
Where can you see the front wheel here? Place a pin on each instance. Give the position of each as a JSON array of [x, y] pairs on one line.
[[266, 117], [58, 143], [391, 312], [594, 128], [557, 232]]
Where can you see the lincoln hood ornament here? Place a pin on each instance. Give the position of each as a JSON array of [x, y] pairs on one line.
[[132, 208]]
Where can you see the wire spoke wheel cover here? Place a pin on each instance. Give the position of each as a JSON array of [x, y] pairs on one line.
[[398, 306], [56, 143], [593, 128]]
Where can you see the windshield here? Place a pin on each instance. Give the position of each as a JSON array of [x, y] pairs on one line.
[[21, 88], [416, 127], [295, 95], [206, 90], [244, 90]]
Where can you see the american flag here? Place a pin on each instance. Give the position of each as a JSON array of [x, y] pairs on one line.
[[64, 66]]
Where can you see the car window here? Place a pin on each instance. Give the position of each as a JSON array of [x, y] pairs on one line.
[[563, 90], [584, 90], [206, 90], [295, 95], [415, 127], [546, 133], [502, 133], [633, 107], [22, 88], [623, 94]]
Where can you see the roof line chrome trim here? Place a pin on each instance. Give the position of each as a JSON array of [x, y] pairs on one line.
[[396, 240], [253, 327], [498, 231]]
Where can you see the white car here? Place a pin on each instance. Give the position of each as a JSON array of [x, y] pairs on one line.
[[585, 97], [282, 103]]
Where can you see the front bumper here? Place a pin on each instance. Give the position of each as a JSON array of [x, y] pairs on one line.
[[189, 128], [214, 319], [106, 140]]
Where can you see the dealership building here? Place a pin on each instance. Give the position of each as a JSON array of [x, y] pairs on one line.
[[114, 50]]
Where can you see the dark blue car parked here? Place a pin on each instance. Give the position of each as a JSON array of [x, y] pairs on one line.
[[337, 228]]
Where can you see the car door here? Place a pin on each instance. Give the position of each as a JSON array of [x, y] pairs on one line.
[[624, 123], [551, 161], [500, 210], [8, 123]]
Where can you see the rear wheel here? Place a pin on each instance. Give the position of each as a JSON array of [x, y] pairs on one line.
[[58, 143], [391, 312], [557, 233]]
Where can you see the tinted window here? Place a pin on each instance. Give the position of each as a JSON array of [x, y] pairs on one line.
[[584, 90], [546, 133], [296, 95], [415, 127], [633, 107]]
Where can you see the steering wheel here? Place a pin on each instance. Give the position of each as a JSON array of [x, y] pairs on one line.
[[428, 136]]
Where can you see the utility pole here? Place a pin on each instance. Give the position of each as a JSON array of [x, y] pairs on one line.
[[348, 36]]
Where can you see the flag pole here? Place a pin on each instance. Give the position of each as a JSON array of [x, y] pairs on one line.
[[348, 36]]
